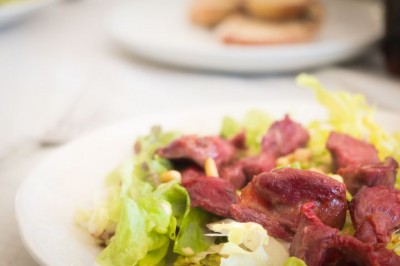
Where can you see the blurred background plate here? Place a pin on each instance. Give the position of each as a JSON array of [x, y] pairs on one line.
[[18, 9], [160, 31]]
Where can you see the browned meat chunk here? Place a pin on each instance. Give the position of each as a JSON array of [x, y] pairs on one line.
[[198, 149], [287, 189], [348, 151], [274, 225], [234, 174], [319, 244], [279, 194], [375, 212], [345, 250], [383, 173], [386, 257], [212, 194], [284, 137], [242, 171], [312, 238], [257, 164], [192, 172], [239, 141]]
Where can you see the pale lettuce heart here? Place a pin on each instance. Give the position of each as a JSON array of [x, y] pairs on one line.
[[249, 244]]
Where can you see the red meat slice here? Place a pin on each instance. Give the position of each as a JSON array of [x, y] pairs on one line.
[[318, 244], [212, 194], [234, 174], [383, 173], [284, 137], [279, 194], [191, 173], [239, 141], [242, 171], [348, 151], [375, 212], [275, 226], [313, 237], [198, 149]]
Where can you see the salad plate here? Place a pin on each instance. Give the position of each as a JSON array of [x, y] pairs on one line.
[[73, 176], [161, 31]]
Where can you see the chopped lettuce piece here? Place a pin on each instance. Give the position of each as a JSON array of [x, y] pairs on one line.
[[141, 216], [133, 179], [155, 218], [293, 261], [248, 244], [295, 165], [146, 146], [191, 238], [255, 123], [349, 114], [131, 242], [349, 197], [209, 257], [149, 166], [143, 228], [348, 227], [394, 243], [230, 127]]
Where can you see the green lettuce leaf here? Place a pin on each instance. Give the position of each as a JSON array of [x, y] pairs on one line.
[[349, 114], [394, 243], [256, 124], [209, 257], [209, 260], [191, 238], [141, 216], [134, 179], [149, 166], [143, 229], [293, 261], [131, 242], [348, 227]]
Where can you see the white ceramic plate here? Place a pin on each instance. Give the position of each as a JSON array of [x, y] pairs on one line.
[[19, 9], [74, 174], [159, 30]]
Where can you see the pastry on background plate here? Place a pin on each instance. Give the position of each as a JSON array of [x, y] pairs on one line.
[[210, 12], [259, 22], [277, 9], [245, 30]]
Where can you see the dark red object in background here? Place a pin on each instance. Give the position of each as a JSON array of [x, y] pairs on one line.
[[391, 42]]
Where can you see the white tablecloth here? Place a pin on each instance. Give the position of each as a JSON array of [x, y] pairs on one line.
[[62, 55]]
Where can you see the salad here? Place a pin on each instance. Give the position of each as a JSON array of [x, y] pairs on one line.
[[265, 191]]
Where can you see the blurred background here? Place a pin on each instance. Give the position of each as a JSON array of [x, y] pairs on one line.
[[71, 66]]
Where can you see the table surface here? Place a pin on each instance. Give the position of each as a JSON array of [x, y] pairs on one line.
[[60, 59]]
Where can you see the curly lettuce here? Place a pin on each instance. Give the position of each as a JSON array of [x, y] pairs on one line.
[[248, 244], [293, 261], [147, 226], [142, 219], [349, 114], [255, 123]]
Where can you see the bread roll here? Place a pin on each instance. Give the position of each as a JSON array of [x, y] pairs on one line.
[[244, 30], [210, 12], [276, 9]]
